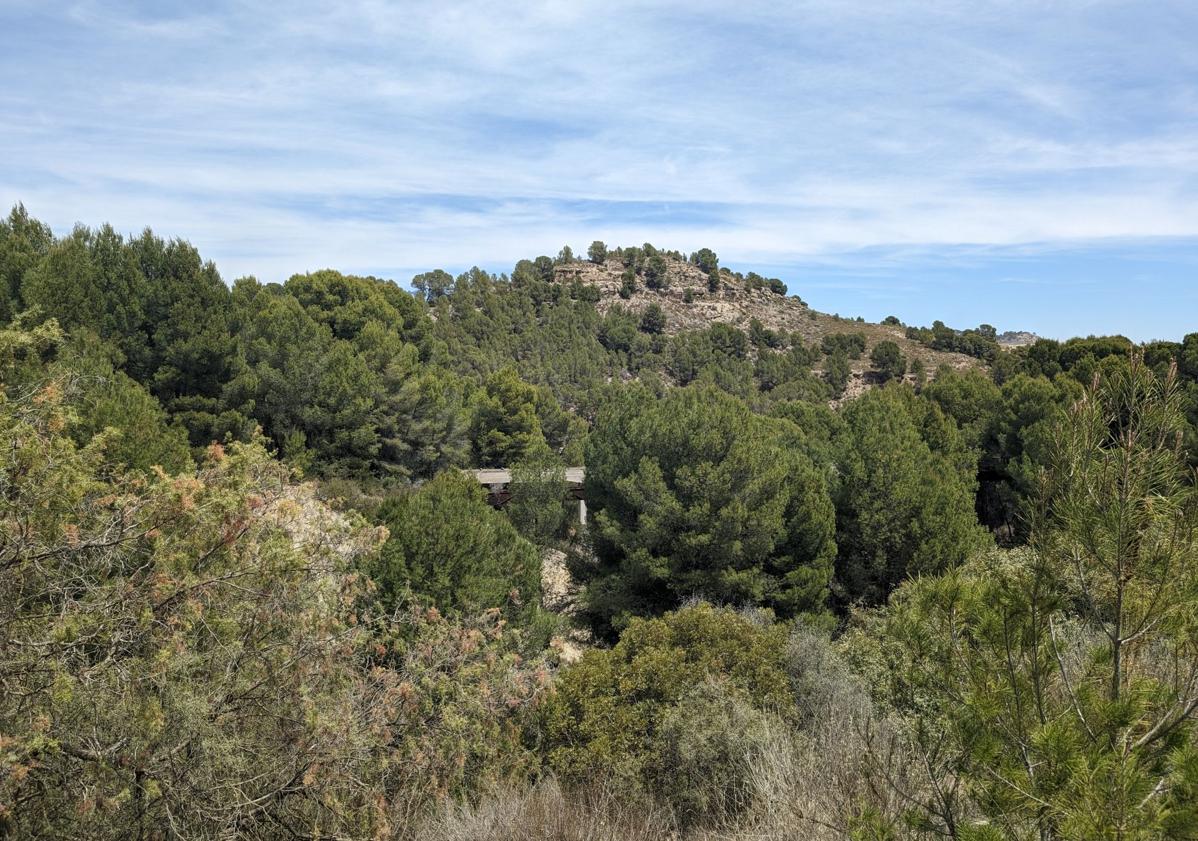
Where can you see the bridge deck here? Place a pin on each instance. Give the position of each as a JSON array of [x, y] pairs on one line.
[[503, 476]]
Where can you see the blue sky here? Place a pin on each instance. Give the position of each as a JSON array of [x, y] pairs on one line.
[[1033, 165]]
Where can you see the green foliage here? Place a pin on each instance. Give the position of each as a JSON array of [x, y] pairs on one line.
[[919, 372], [489, 323], [888, 361], [193, 353], [100, 403], [189, 640], [755, 281], [627, 284], [315, 397], [512, 417], [425, 423], [23, 243], [691, 353], [538, 496], [653, 319], [656, 272], [787, 375], [374, 315], [904, 504], [677, 708], [971, 399], [449, 547], [706, 260], [90, 281], [171, 653], [761, 337], [692, 494], [982, 342], [458, 692], [838, 372], [105, 400], [433, 285], [1053, 671], [851, 345]]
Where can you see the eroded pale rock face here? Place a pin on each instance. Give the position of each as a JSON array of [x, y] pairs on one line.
[[318, 530], [558, 590], [1017, 338], [736, 305], [559, 593]]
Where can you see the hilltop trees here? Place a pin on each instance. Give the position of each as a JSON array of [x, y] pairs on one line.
[[982, 342], [597, 253], [656, 272], [695, 495], [23, 243], [433, 285], [90, 281], [706, 260]]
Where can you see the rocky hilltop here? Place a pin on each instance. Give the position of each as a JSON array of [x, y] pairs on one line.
[[1017, 338], [689, 305]]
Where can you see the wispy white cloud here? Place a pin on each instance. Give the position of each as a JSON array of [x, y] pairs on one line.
[[371, 134]]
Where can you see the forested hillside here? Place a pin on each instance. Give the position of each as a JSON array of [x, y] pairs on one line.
[[839, 579]]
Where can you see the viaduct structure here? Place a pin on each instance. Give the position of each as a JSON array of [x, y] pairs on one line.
[[498, 481]]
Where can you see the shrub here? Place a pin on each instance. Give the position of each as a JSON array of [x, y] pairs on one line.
[[459, 690], [174, 647], [837, 372], [628, 283], [448, 546], [851, 345], [656, 272], [706, 260], [888, 361], [653, 319], [706, 748], [674, 709]]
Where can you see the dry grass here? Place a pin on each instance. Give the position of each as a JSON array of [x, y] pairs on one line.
[[807, 782], [546, 812]]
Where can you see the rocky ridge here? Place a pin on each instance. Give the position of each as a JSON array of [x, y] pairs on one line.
[[737, 304]]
